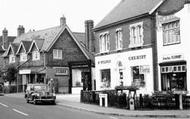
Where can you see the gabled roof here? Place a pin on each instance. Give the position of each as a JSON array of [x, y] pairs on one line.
[[49, 37], [12, 47], [128, 9], [25, 45], [38, 43]]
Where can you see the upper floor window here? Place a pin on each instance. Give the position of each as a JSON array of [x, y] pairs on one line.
[[171, 33], [57, 54], [11, 58], [35, 55], [119, 40], [104, 42], [136, 35], [23, 57]]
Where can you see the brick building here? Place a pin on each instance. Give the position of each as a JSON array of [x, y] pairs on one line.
[[56, 53], [136, 42]]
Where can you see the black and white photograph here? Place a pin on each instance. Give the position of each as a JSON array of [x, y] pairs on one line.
[[94, 59]]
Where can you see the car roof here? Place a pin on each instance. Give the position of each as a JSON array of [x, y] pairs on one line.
[[38, 84]]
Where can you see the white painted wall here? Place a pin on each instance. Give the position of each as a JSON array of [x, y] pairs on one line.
[[127, 74], [183, 48]]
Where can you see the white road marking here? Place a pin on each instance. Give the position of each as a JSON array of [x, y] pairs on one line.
[[20, 112], [3, 105], [113, 117]]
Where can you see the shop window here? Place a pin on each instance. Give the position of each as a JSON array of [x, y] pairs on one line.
[[136, 35], [171, 33], [105, 78], [174, 79], [138, 77]]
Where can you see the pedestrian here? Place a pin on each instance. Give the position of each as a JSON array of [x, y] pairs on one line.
[[51, 85]]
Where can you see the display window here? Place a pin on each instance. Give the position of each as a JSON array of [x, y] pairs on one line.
[[138, 77], [105, 78], [173, 78]]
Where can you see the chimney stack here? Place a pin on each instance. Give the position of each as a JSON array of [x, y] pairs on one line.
[[89, 35], [62, 21], [20, 30], [5, 38]]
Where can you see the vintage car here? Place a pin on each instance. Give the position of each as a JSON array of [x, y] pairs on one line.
[[1, 89], [38, 93]]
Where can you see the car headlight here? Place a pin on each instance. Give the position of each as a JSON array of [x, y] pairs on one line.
[[37, 94], [53, 94]]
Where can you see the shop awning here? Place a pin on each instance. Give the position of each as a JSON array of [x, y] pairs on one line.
[[179, 62]]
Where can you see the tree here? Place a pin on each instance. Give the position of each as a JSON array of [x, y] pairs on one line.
[[10, 74]]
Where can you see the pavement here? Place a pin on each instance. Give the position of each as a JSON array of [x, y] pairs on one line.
[[73, 101]]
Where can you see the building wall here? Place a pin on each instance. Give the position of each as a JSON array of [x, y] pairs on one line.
[[147, 27], [127, 59], [182, 49], [71, 51]]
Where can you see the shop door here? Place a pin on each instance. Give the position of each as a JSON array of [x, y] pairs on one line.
[[86, 79]]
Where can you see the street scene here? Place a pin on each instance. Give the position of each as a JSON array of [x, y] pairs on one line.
[[129, 59]]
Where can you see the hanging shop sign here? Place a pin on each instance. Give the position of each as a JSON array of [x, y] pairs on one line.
[[172, 57]]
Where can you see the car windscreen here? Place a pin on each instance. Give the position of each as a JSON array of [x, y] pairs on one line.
[[40, 88]]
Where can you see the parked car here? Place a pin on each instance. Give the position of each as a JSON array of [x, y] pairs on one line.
[[38, 93], [1, 90]]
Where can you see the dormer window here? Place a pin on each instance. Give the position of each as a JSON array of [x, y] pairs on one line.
[[11, 58], [35, 55], [119, 40], [23, 57], [136, 35], [104, 42]]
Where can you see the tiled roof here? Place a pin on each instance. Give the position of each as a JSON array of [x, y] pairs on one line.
[[39, 43], [80, 36], [15, 47], [81, 39], [26, 45], [48, 35], [10, 40], [128, 9]]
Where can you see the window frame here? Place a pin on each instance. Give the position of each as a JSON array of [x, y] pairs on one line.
[[166, 41], [56, 53], [34, 54], [119, 39], [11, 58], [104, 42], [136, 35], [23, 56]]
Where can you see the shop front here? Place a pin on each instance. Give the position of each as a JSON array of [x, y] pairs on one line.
[[173, 73], [132, 68]]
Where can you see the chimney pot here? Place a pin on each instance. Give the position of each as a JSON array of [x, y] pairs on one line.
[[62, 20], [20, 30]]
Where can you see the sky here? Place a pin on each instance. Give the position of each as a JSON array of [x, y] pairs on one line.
[[42, 14]]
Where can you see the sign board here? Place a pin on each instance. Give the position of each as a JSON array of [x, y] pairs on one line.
[[61, 70], [173, 57]]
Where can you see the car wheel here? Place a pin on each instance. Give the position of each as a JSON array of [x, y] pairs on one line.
[[27, 100], [35, 102], [53, 102]]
